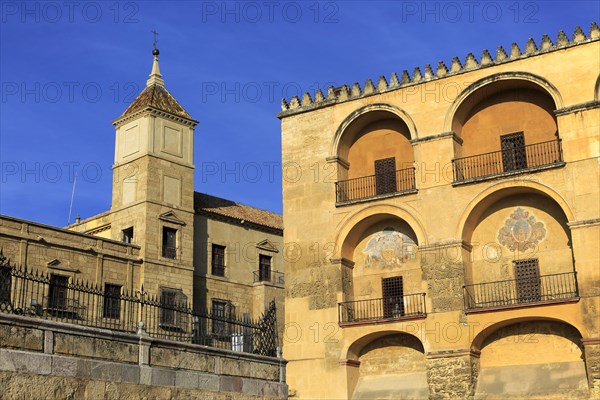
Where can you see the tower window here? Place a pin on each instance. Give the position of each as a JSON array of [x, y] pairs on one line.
[[169, 243], [127, 235]]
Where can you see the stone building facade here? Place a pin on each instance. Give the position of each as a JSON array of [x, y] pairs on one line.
[[159, 234], [449, 246]]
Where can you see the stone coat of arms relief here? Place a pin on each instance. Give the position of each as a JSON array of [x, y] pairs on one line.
[[521, 231]]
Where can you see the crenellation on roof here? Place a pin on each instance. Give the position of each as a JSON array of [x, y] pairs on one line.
[[346, 93], [501, 54], [369, 88], [428, 72], [515, 51]]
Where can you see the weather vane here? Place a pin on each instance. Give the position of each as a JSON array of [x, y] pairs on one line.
[[155, 41]]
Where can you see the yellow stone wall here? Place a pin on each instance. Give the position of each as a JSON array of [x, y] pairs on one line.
[[448, 115]]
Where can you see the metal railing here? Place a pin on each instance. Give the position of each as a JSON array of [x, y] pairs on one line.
[[366, 187], [387, 308], [269, 276], [512, 292], [26, 292], [499, 163]]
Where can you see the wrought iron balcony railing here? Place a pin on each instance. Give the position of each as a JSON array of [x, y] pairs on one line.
[[545, 288], [269, 276], [401, 181], [507, 162], [387, 308]]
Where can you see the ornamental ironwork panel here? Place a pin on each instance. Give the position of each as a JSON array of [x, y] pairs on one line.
[[385, 175], [527, 273], [393, 297], [514, 156]]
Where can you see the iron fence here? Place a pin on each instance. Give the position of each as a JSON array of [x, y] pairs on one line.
[[412, 305], [543, 288], [506, 162], [402, 181], [269, 276], [37, 294]]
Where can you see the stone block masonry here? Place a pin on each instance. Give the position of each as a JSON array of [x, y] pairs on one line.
[[47, 359]]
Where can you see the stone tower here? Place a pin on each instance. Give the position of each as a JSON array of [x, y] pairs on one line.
[[153, 185]]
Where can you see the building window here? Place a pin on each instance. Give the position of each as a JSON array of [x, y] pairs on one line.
[[393, 300], [173, 310], [527, 273], [264, 268], [57, 293], [5, 285], [128, 235], [169, 243], [218, 260], [112, 301], [385, 176], [222, 311], [514, 156]]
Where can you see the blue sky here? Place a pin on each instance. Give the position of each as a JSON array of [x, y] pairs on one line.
[[67, 69]]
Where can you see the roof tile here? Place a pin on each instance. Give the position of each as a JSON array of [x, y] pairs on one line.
[[216, 205], [158, 97]]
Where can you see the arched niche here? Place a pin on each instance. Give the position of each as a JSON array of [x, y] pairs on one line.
[[374, 132], [541, 358], [392, 365], [517, 227], [504, 104]]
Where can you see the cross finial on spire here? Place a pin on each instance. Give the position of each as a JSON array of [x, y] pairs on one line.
[[155, 39], [155, 51], [155, 76]]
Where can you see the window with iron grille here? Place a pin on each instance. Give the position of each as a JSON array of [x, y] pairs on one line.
[[527, 274], [264, 268], [169, 243], [112, 301], [222, 310], [57, 293], [128, 235], [385, 175], [514, 155], [5, 284], [218, 260], [172, 306], [393, 297]]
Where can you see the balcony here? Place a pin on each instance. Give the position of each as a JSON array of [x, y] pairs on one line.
[[375, 186], [513, 161], [269, 276], [386, 309], [555, 288]]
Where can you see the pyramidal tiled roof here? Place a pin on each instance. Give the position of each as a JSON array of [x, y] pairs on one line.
[[238, 211], [156, 96]]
